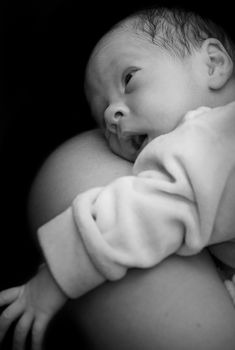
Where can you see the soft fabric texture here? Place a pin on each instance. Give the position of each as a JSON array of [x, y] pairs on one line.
[[180, 199]]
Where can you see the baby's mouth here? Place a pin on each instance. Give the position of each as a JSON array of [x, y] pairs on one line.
[[136, 139], [139, 141], [136, 142]]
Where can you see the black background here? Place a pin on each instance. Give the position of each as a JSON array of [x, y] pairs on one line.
[[44, 49]]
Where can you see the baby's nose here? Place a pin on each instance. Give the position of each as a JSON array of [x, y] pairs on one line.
[[112, 117]]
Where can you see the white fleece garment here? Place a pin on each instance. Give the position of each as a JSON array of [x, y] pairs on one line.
[[180, 199]]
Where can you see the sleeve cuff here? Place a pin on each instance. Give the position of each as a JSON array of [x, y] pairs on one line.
[[66, 256]]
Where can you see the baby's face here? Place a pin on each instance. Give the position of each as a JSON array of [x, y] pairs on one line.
[[138, 91]]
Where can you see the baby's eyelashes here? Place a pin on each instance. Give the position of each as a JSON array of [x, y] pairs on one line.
[[127, 78]]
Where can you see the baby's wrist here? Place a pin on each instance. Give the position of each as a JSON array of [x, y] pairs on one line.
[[48, 278]]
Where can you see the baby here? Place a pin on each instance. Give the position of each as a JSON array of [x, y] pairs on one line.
[[144, 79]]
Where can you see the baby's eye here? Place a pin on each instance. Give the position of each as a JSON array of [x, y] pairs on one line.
[[128, 75], [128, 78]]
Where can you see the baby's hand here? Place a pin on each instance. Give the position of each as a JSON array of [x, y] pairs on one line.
[[33, 305], [230, 285]]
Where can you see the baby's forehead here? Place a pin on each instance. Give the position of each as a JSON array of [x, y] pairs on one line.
[[122, 29], [121, 41], [118, 36]]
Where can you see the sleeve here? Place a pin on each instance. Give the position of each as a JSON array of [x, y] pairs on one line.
[[169, 205]]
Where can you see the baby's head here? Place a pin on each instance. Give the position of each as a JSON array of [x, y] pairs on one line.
[[152, 68]]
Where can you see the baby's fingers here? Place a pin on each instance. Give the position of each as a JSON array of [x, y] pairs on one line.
[[38, 332], [9, 315], [9, 295], [21, 331]]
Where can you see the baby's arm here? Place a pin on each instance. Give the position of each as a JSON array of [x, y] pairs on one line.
[[32, 305]]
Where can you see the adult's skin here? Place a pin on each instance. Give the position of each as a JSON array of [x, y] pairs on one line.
[[179, 304]]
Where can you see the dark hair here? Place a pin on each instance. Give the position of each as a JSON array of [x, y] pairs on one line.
[[178, 30]]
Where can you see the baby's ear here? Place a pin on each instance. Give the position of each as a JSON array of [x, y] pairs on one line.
[[219, 63]]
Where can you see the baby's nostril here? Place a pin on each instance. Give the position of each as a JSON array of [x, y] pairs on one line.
[[118, 114]]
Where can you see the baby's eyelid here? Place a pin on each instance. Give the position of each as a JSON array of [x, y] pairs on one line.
[[128, 78], [128, 74]]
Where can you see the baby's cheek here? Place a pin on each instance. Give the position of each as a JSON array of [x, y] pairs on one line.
[[142, 102]]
